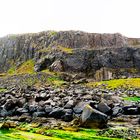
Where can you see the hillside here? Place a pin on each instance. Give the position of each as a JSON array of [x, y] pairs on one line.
[[100, 56], [69, 85]]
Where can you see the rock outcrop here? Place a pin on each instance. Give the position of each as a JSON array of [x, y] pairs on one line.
[[96, 55]]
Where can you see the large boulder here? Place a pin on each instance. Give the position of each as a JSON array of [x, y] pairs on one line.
[[93, 118]]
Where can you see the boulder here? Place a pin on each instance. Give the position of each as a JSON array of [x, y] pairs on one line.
[[48, 109], [69, 104], [67, 117], [10, 104], [93, 118], [79, 107], [103, 107], [39, 114], [117, 111], [130, 110], [57, 113], [20, 111]]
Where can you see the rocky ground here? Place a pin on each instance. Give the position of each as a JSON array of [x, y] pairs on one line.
[[72, 105]]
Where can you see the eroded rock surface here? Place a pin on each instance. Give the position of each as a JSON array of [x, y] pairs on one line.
[[75, 51]]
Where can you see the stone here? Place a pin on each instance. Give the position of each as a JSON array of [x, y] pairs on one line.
[[57, 113], [48, 109], [79, 107], [32, 108], [20, 111], [10, 104], [117, 111], [67, 117], [57, 66], [130, 110], [39, 114], [103, 107], [69, 104], [93, 118]]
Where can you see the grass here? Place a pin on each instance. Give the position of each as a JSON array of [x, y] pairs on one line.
[[55, 134], [64, 49], [3, 90], [22, 135], [26, 67], [117, 83], [57, 48], [83, 134], [134, 99], [12, 70], [34, 131], [55, 80], [47, 71]]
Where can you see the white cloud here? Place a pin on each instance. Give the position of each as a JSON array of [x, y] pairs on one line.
[[105, 16]]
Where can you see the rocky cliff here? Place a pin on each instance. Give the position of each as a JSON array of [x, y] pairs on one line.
[[103, 56]]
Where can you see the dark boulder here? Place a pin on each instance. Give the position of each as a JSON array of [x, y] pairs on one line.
[[130, 110], [57, 113], [93, 118], [20, 111], [103, 107], [48, 109], [67, 117], [39, 114], [10, 104]]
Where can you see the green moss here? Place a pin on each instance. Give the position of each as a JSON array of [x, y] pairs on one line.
[[34, 131], [3, 90], [65, 49], [26, 67], [117, 83], [83, 134], [12, 70], [56, 81], [135, 99], [58, 48], [21, 135]]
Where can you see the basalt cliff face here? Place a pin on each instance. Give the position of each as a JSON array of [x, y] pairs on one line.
[[102, 56]]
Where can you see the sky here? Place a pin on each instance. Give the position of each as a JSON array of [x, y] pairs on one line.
[[96, 16]]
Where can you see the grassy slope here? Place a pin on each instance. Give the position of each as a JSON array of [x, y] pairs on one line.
[[118, 83]]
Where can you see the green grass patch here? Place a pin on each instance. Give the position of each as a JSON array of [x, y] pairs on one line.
[[3, 90], [117, 83], [83, 134], [134, 99], [57, 48], [12, 70], [65, 49], [26, 67], [56, 81]]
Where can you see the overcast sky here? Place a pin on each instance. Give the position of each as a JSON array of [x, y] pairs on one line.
[[100, 16]]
